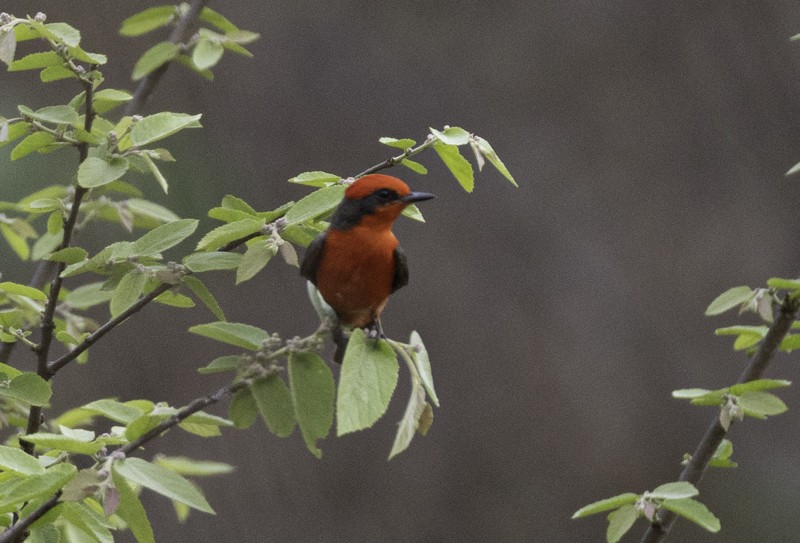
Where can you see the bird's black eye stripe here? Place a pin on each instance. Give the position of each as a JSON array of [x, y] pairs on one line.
[[386, 194]]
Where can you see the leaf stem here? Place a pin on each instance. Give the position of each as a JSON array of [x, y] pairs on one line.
[[696, 467]]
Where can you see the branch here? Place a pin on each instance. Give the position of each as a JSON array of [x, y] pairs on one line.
[[181, 415], [181, 34], [696, 467], [20, 527], [395, 160]]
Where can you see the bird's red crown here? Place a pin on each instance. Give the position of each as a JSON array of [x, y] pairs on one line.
[[370, 183]]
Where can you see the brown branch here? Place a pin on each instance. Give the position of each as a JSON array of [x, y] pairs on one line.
[[181, 33], [697, 465], [22, 525]]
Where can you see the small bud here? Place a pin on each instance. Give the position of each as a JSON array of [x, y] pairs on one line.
[[4, 18], [80, 69], [136, 118], [40, 17], [112, 138]]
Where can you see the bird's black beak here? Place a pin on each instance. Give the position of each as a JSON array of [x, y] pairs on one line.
[[416, 197]]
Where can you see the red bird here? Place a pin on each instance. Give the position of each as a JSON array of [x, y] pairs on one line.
[[357, 263]]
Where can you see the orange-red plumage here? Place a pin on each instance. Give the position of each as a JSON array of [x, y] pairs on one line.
[[357, 263]]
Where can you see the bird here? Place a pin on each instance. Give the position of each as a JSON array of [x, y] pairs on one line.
[[357, 263]]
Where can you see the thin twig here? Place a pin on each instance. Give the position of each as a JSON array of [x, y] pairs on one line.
[[23, 524], [395, 160], [697, 465], [181, 33]]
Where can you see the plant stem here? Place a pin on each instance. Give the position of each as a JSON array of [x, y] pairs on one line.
[[22, 525], [696, 467], [395, 160]]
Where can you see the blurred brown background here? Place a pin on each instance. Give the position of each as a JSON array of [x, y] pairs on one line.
[[650, 141]]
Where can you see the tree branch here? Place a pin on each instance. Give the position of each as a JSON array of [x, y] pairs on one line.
[[395, 160], [22, 525], [180, 34], [696, 467]]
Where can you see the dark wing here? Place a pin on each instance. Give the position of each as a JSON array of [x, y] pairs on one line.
[[310, 264], [400, 270]]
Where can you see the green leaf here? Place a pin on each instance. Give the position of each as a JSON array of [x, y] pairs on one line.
[[85, 483], [758, 385], [15, 131], [729, 299], [19, 461], [37, 486], [243, 410], [207, 53], [44, 533], [56, 73], [87, 296], [23, 290], [132, 511], [29, 388], [89, 522], [164, 237], [316, 179], [275, 404], [694, 511], [36, 61], [211, 17], [760, 405], [241, 335], [161, 125], [674, 491], [452, 135], [747, 335], [257, 256], [204, 295], [61, 32], [785, 284], [147, 20], [487, 151], [8, 46], [312, 390], [423, 364], [163, 481], [790, 343], [51, 114], [366, 383], [159, 177], [191, 467], [218, 260], [108, 99], [114, 410], [151, 211], [413, 212], [17, 242], [229, 232], [620, 521], [95, 172], [457, 164], [77, 445], [127, 292], [403, 143], [154, 58], [414, 166], [241, 36], [722, 455], [229, 362], [69, 255], [316, 204], [410, 420], [31, 143], [606, 505], [689, 393]]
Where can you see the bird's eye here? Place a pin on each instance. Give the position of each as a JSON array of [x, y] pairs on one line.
[[384, 194]]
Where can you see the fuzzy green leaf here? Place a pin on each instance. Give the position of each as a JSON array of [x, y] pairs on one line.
[[606, 505], [366, 383], [241, 335], [729, 299], [409, 422], [694, 511], [674, 491], [452, 135], [95, 172], [191, 467], [154, 58], [316, 179], [457, 164], [204, 295], [108, 99], [243, 410], [23, 290], [77, 445], [218, 260], [258, 254], [229, 232], [761, 405], [229, 362], [313, 389], [19, 461], [207, 53], [31, 143], [161, 125], [69, 255], [163, 481], [37, 486], [147, 20], [8, 46], [403, 143], [316, 204], [275, 404], [51, 114], [127, 292], [490, 154], [414, 166], [164, 237], [36, 61], [423, 364], [620, 521], [29, 388], [132, 511]]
